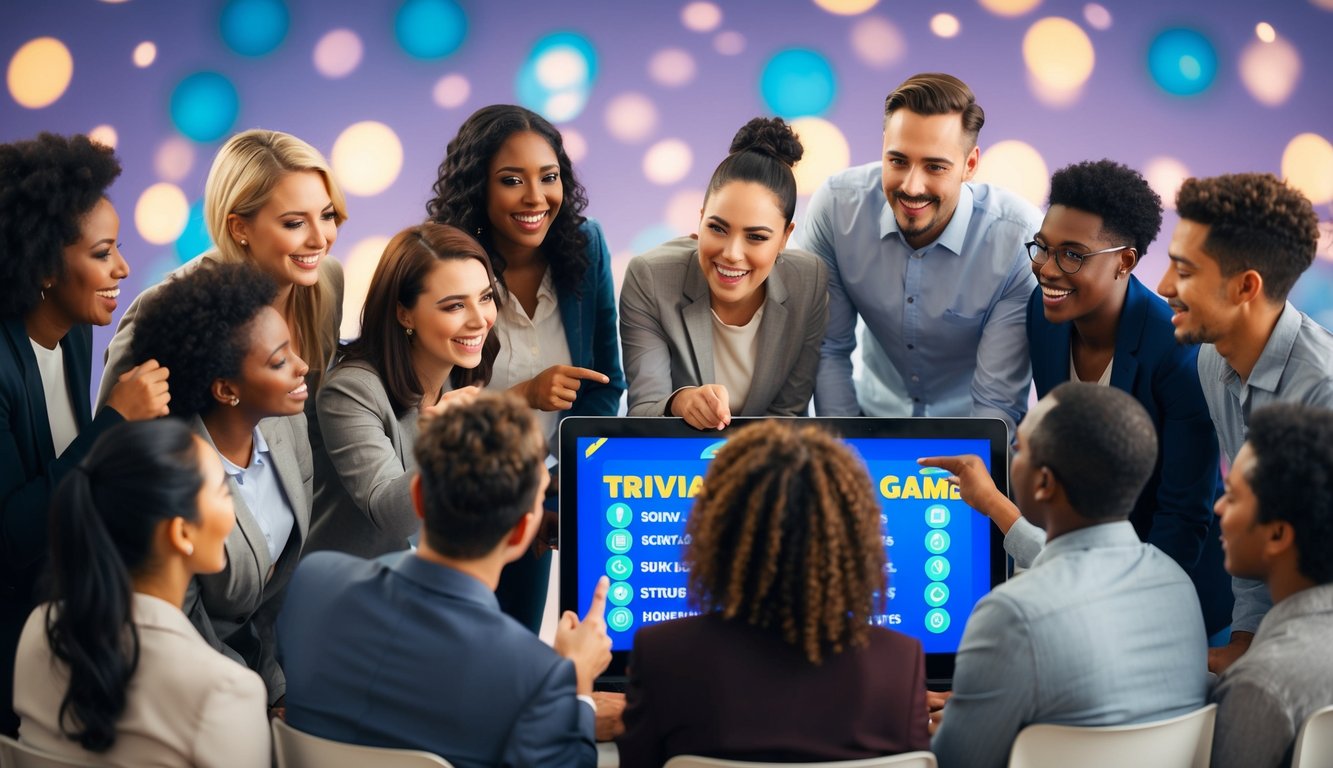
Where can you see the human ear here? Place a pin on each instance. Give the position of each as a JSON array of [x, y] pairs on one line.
[[404, 316], [225, 392], [238, 228], [970, 164]]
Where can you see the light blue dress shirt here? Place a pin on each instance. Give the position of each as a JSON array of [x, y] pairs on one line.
[[1296, 366], [262, 492], [1102, 630], [946, 323]]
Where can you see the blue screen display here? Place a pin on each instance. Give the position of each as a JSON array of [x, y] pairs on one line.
[[635, 495]]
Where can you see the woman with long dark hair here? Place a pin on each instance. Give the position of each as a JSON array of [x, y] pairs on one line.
[[110, 671]]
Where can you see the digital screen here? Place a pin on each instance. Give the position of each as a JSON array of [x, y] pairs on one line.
[[635, 495]]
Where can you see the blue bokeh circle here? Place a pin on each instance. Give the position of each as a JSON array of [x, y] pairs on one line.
[[797, 83], [204, 106], [430, 29], [254, 27], [194, 240], [534, 95], [1182, 61]]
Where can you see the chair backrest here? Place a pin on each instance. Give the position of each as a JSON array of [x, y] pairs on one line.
[[14, 754], [297, 749], [1180, 742], [905, 760], [1314, 743]]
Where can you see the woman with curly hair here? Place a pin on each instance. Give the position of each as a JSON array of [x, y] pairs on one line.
[[109, 671], [60, 272], [233, 364], [425, 343], [787, 567], [507, 179], [728, 320]]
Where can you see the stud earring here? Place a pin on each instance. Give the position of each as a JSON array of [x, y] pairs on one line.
[[235, 401], [408, 331], [478, 231], [245, 243]]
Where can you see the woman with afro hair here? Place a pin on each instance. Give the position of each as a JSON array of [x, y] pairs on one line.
[[60, 272], [232, 365]]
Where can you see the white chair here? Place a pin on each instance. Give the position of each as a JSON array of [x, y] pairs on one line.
[[296, 749], [1180, 742], [905, 760], [1314, 742], [14, 754]]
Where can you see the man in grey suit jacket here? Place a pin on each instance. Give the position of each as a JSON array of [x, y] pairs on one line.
[[412, 651]]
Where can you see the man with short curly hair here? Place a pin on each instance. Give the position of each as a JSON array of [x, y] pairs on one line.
[[1242, 241]]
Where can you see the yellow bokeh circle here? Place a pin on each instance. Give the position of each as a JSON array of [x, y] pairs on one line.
[[826, 152], [1009, 7], [40, 72], [1307, 164], [846, 7], [366, 158], [1018, 167], [105, 135], [358, 267], [667, 162], [1058, 54], [161, 213], [945, 25]]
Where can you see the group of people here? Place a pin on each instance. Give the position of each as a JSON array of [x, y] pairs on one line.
[[139, 551]]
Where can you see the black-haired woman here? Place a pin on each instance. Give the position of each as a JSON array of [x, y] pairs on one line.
[[729, 321], [60, 272], [110, 672]]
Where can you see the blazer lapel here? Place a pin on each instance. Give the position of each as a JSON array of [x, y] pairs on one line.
[[247, 533], [78, 355], [697, 314], [1129, 336], [771, 344], [571, 318], [39, 426], [278, 432]]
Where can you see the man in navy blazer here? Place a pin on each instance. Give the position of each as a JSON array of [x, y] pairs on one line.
[[412, 651]]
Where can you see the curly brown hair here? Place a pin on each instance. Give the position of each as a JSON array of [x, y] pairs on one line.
[[481, 465], [785, 535], [1255, 221]]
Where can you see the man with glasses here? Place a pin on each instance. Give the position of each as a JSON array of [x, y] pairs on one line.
[[1242, 242], [932, 262], [1091, 320]]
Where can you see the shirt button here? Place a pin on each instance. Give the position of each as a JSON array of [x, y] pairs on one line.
[[911, 299], [915, 378], [911, 346]]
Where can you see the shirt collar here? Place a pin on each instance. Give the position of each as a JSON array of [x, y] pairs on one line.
[[442, 579], [1267, 373], [1307, 602], [1117, 534], [954, 233], [257, 454]]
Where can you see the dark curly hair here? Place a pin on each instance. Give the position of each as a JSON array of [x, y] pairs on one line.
[[763, 151], [1100, 443], [785, 535], [1255, 221], [463, 180], [47, 186], [1131, 211], [1292, 479], [196, 325], [480, 466]]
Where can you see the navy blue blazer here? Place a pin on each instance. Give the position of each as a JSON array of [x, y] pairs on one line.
[[402, 652], [1175, 510], [591, 329]]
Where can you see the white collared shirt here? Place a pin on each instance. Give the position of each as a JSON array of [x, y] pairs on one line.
[[59, 407], [262, 493], [530, 345]]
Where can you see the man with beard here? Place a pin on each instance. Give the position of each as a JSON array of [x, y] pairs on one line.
[[931, 262], [1242, 242]]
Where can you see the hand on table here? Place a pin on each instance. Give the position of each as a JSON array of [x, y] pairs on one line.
[[705, 407], [610, 708], [1221, 658]]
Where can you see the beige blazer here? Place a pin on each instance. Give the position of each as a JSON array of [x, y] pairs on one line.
[[187, 705], [666, 329]]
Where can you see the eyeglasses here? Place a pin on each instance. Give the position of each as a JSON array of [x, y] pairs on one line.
[[1068, 261]]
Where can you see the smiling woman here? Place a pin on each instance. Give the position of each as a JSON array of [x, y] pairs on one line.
[[708, 320]]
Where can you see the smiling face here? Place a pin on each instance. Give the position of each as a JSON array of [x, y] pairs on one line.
[[1243, 537], [272, 377], [1094, 290], [94, 267], [741, 233], [926, 160], [217, 513], [453, 314], [523, 194], [1195, 288], [292, 232]]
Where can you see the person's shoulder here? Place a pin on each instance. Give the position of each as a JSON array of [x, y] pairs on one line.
[[591, 229], [1005, 207], [328, 571], [858, 179], [893, 642], [673, 255]]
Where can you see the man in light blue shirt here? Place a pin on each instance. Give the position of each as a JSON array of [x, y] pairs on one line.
[[1242, 242], [1065, 642], [933, 263]]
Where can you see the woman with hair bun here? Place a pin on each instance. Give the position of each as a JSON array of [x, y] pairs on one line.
[[110, 672], [729, 321]]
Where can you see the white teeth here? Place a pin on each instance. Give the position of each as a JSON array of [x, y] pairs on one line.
[[111, 294], [473, 342], [299, 390], [1054, 293], [309, 261], [530, 219], [732, 273]]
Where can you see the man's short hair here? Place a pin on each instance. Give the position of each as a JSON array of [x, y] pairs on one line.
[[935, 93], [1292, 479], [1131, 211], [480, 467], [1256, 221], [1100, 443]]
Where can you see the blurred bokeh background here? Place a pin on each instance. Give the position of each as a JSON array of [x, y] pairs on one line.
[[648, 95]]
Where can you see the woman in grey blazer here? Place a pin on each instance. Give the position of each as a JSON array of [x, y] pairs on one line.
[[232, 365], [729, 321], [425, 343]]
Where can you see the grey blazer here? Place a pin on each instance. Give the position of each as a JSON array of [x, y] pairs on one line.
[[236, 610], [666, 329], [365, 507]]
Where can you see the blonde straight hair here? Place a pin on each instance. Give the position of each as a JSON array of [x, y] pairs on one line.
[[242, 178]]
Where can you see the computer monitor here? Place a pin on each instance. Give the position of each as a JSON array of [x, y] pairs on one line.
[[626, 489]]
